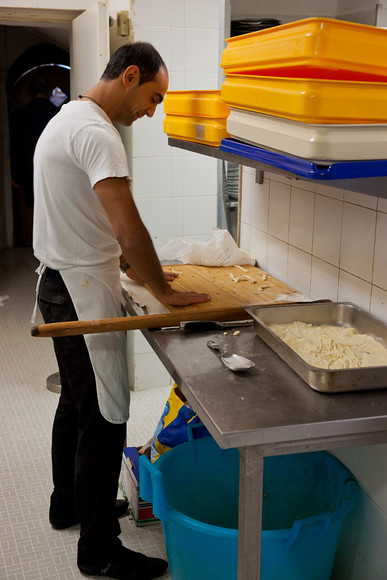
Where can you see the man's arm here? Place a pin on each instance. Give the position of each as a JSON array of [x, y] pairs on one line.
[[132, 274], [136, 243]]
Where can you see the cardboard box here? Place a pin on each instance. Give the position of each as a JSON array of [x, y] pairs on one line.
[[142, 511]]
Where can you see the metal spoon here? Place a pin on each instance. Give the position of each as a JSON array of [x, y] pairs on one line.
[[232, 361]]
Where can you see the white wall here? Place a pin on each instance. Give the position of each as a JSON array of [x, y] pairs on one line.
[[175, 191]]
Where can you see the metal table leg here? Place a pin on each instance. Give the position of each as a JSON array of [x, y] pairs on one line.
[[250, 513]]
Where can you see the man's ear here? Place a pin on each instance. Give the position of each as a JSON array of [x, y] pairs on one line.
[[131, 75]]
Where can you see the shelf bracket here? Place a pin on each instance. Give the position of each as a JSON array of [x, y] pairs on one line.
[[259, 176]]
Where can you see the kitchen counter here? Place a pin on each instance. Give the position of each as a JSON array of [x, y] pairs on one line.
[[268, 410]]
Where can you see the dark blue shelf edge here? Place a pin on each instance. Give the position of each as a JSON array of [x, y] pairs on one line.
[[368, 177]]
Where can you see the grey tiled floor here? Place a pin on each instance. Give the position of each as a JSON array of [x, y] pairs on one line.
[[29, 548]]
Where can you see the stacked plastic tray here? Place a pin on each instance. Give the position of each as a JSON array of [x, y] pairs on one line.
[[316, 88], [198, 116]]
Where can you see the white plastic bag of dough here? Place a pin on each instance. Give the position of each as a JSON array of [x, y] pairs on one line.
[[219, 250]]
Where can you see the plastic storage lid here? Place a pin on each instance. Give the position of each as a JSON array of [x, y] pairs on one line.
[[325, 142], [308, 100], [335, 171], [333, 45]]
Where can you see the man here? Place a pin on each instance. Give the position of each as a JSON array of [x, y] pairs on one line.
[[86, 224]]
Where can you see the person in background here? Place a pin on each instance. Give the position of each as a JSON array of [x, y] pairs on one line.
[[87, 227], [26, 126]]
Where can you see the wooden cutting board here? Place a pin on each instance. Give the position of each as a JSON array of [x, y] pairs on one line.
[[254, 287]]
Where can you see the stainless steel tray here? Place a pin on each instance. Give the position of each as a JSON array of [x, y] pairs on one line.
[[337, 313]]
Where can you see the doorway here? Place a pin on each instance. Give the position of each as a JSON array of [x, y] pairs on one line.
[[84, 34], [37, 84]]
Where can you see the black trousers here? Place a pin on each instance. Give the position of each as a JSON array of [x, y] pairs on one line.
[[86, 448]]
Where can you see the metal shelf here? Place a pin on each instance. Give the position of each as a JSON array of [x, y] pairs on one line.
[[376, 186]]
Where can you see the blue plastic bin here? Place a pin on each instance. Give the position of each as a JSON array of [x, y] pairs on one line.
[[194, 491]]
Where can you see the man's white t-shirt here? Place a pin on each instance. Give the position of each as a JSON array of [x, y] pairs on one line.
[[79, 147]]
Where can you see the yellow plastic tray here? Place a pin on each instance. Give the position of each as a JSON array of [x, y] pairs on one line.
[[311, 48], [197, 103], [207, 131], [308, 100]]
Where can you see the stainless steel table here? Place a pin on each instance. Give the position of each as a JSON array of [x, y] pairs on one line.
[[265, 411]]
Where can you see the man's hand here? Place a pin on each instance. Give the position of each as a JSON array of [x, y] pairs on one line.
[[177, 298], [170, 276], [173, 297]]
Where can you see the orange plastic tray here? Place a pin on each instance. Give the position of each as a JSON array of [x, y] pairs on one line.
[[308, 100], [196, 103], [311, 48], [205, 130]]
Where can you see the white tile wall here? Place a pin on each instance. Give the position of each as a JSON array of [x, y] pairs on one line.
[[382, 204], [358, 240], [259, 204], [177, 13], [257, 241], [277, 256], [201, 50], [299, 267], [374, 483], [301, 219], [279, 211], [202, 14], [327, 229], [175, 191], [324, 280], [149, 372], [330, 243], [370, 535], [379, 303], [380, 259], [353, 289], [155, 183], [200, 80], [156, 214], [152, 13]]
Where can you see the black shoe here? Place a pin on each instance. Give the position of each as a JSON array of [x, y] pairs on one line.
[[128, 566], [120, 508]]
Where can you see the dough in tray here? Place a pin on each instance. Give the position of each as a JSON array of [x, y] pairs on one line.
[[330, 346]]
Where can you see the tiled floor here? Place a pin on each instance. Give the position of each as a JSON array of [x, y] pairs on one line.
[[29, 548]]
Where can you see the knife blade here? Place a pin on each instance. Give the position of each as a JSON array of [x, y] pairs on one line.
[[203, 325]]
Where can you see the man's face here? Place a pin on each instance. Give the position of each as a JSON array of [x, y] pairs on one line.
[[143, 99]]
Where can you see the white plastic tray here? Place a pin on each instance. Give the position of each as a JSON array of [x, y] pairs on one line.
[[311, 141]]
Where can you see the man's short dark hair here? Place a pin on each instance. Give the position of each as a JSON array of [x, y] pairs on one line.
[[141, 54]]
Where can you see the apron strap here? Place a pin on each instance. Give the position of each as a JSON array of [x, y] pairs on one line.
[[39, 270]]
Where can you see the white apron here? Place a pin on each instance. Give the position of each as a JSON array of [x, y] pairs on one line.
[[96, 293]]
